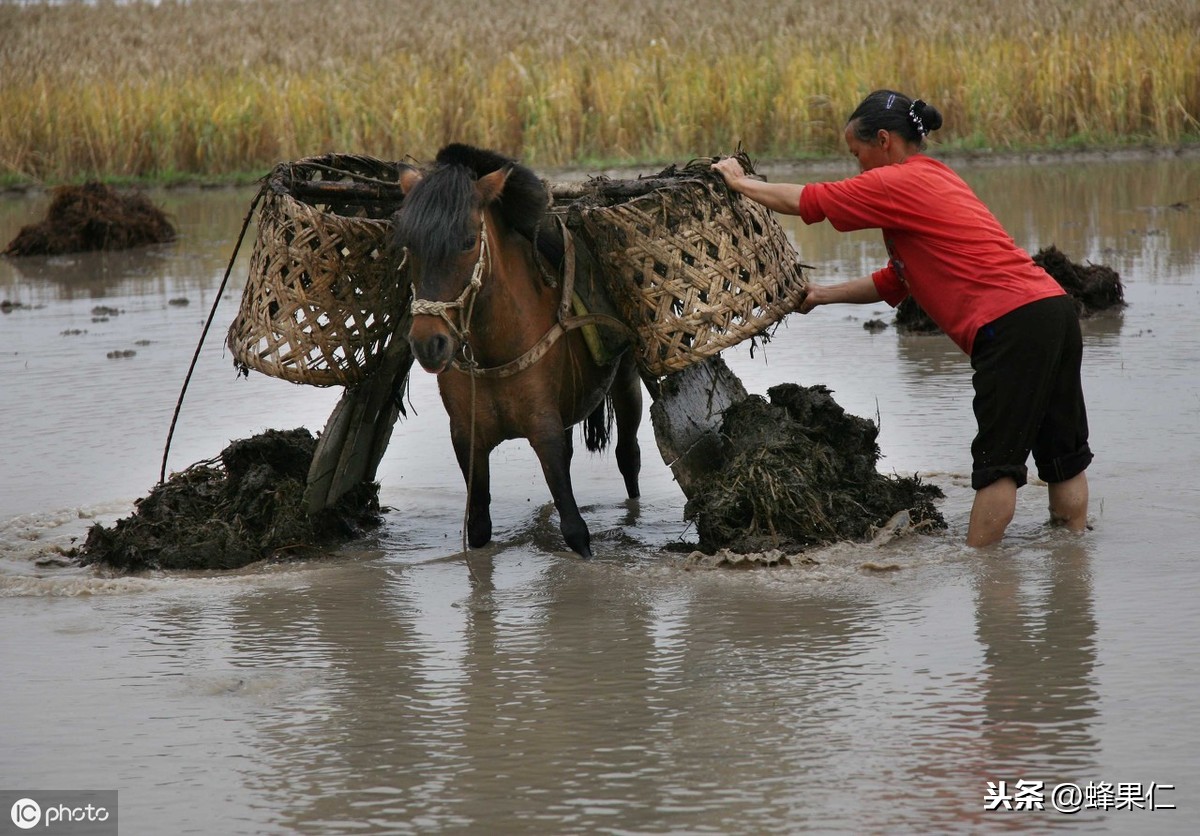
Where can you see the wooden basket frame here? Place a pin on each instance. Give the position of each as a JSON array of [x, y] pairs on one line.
[[693, 267], [324, 296]]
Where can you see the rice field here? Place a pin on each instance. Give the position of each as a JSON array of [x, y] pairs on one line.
[[216, 88]]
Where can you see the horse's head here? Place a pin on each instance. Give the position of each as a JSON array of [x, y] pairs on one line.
[[441, 224]]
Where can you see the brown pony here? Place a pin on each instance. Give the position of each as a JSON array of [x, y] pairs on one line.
[[481, 303]]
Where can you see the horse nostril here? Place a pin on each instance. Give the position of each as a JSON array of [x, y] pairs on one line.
[[434, 351]]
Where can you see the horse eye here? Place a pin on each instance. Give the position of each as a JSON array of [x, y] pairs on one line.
[[469, 243]]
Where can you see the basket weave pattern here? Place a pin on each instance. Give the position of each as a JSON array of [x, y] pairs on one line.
[[694, 269], [324, 297]]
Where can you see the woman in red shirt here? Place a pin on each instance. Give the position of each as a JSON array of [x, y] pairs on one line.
[[950, 253]]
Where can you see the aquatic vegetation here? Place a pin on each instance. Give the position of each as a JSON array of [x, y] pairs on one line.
[[244, 506], [93, 216], [800, 471]]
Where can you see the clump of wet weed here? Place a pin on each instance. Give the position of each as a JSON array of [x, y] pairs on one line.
[[93, 216], [798, 472], [246, 505], [1094, 287]]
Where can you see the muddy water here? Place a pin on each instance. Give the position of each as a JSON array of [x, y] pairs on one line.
[[395, 687]]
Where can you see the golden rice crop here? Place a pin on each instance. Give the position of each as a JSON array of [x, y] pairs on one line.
[[218, 86]]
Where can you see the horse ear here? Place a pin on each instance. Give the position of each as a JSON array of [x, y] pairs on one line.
[[491, 185], [409, 178]]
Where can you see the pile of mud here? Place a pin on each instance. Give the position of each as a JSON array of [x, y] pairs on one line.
[[1093, 288], [799, 472], [93, 217], [246, 505]]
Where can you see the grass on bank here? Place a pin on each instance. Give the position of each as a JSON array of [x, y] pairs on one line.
[[206, 90]]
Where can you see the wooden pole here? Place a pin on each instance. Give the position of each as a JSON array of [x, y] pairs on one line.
[[686, 415], [358, 430]]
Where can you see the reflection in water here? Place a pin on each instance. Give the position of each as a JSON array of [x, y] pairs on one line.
[[1027, 709], [539, 694], [545, 695], [1039, 638]]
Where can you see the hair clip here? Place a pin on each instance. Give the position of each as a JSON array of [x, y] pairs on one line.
[[915, 119]]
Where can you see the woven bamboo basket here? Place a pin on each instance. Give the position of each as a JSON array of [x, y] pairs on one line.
[[693, 267], [324, 296]]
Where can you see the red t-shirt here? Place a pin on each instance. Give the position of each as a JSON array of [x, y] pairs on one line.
[[945, 247]]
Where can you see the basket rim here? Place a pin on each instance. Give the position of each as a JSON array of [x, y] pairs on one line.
[[670, 340], [283, 177]]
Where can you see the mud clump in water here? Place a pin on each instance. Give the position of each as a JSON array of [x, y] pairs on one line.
[[912, 319], [93, 217], [245, 506], [1092, 287], [798, 472]]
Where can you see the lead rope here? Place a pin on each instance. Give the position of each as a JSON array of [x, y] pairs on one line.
[[465, 303], [470, 460], [469, 357], [468, 316], [162, 472]]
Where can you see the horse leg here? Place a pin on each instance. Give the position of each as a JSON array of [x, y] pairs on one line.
[[626, 393], [553, 451], [477, 476]]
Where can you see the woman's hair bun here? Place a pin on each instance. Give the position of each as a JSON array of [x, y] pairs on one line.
[[930, 117]]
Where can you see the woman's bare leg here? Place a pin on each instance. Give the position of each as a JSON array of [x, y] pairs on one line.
[[992, 512], [1069, 502]]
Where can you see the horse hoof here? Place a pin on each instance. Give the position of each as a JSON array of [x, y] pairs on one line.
[[582, 546]]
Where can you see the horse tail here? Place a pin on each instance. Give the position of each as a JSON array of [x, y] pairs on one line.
[[597, 427]]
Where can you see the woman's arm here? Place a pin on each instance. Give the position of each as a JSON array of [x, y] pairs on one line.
[[858, 291], [785, 198], [778, 197]]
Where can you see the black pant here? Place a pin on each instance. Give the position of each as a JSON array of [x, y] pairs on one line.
[[1028, 395]]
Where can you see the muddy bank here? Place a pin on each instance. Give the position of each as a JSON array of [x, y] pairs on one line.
[[244, 506], [799, 471], [93, 216], [1093, 288]]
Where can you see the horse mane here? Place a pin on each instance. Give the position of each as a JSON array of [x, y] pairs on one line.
[[524, 201], [434, 209]]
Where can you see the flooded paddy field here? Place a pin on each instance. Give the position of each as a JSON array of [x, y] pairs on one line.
[[394, 686]]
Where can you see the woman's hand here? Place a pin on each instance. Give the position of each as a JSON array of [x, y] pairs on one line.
[[731, 170], [812, 298]]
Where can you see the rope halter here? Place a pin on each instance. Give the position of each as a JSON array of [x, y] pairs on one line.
[[466, 300]]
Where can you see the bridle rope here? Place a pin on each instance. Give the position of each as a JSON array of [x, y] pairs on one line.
[[465, 303]]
